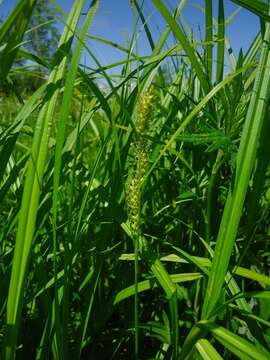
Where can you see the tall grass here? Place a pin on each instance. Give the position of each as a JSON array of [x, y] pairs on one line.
[[135, 215]]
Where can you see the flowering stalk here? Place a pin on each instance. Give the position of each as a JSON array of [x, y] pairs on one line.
[[134, 192]]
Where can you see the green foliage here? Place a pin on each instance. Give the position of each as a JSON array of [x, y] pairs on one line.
[[135, 215]]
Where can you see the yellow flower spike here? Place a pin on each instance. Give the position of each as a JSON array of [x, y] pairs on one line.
[[139, 147], [144, 109], [140, 159]]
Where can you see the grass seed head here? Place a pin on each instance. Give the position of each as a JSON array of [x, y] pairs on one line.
[[144, 110], [140, 159]]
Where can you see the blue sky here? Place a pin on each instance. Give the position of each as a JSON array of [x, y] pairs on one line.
[[114, 21]]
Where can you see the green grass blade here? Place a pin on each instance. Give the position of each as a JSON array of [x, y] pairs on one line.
[[221, 41], [209, 37], [191, 116], [148, 284], [179, 34], [244, 166], [207, 351], [93, 285], [258, 7], [65, 107], [30, 200], [253, 50], [236, 344], [11, 34], [146, 27]]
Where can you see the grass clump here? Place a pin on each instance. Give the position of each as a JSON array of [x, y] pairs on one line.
[[135, 205]]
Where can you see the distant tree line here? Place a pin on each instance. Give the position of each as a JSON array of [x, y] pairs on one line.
[[40, 40]]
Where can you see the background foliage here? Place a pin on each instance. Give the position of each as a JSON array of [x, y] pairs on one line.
[[135, 215]]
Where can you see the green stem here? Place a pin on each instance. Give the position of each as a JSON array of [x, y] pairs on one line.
[[210, 195], [136, 297]]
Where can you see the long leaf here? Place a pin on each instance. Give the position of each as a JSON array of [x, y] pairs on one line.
[[258, 7], [11, 34], [236, 344], [32, 188], [244, 166]]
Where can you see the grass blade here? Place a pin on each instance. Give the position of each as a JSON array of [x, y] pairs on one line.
[[209, 37], [221, 41], [11, 34], [179, 34], [237, 345], [244, 166], [32, 188]]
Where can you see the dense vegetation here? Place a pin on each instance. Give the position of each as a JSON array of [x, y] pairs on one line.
[[134, 215]]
